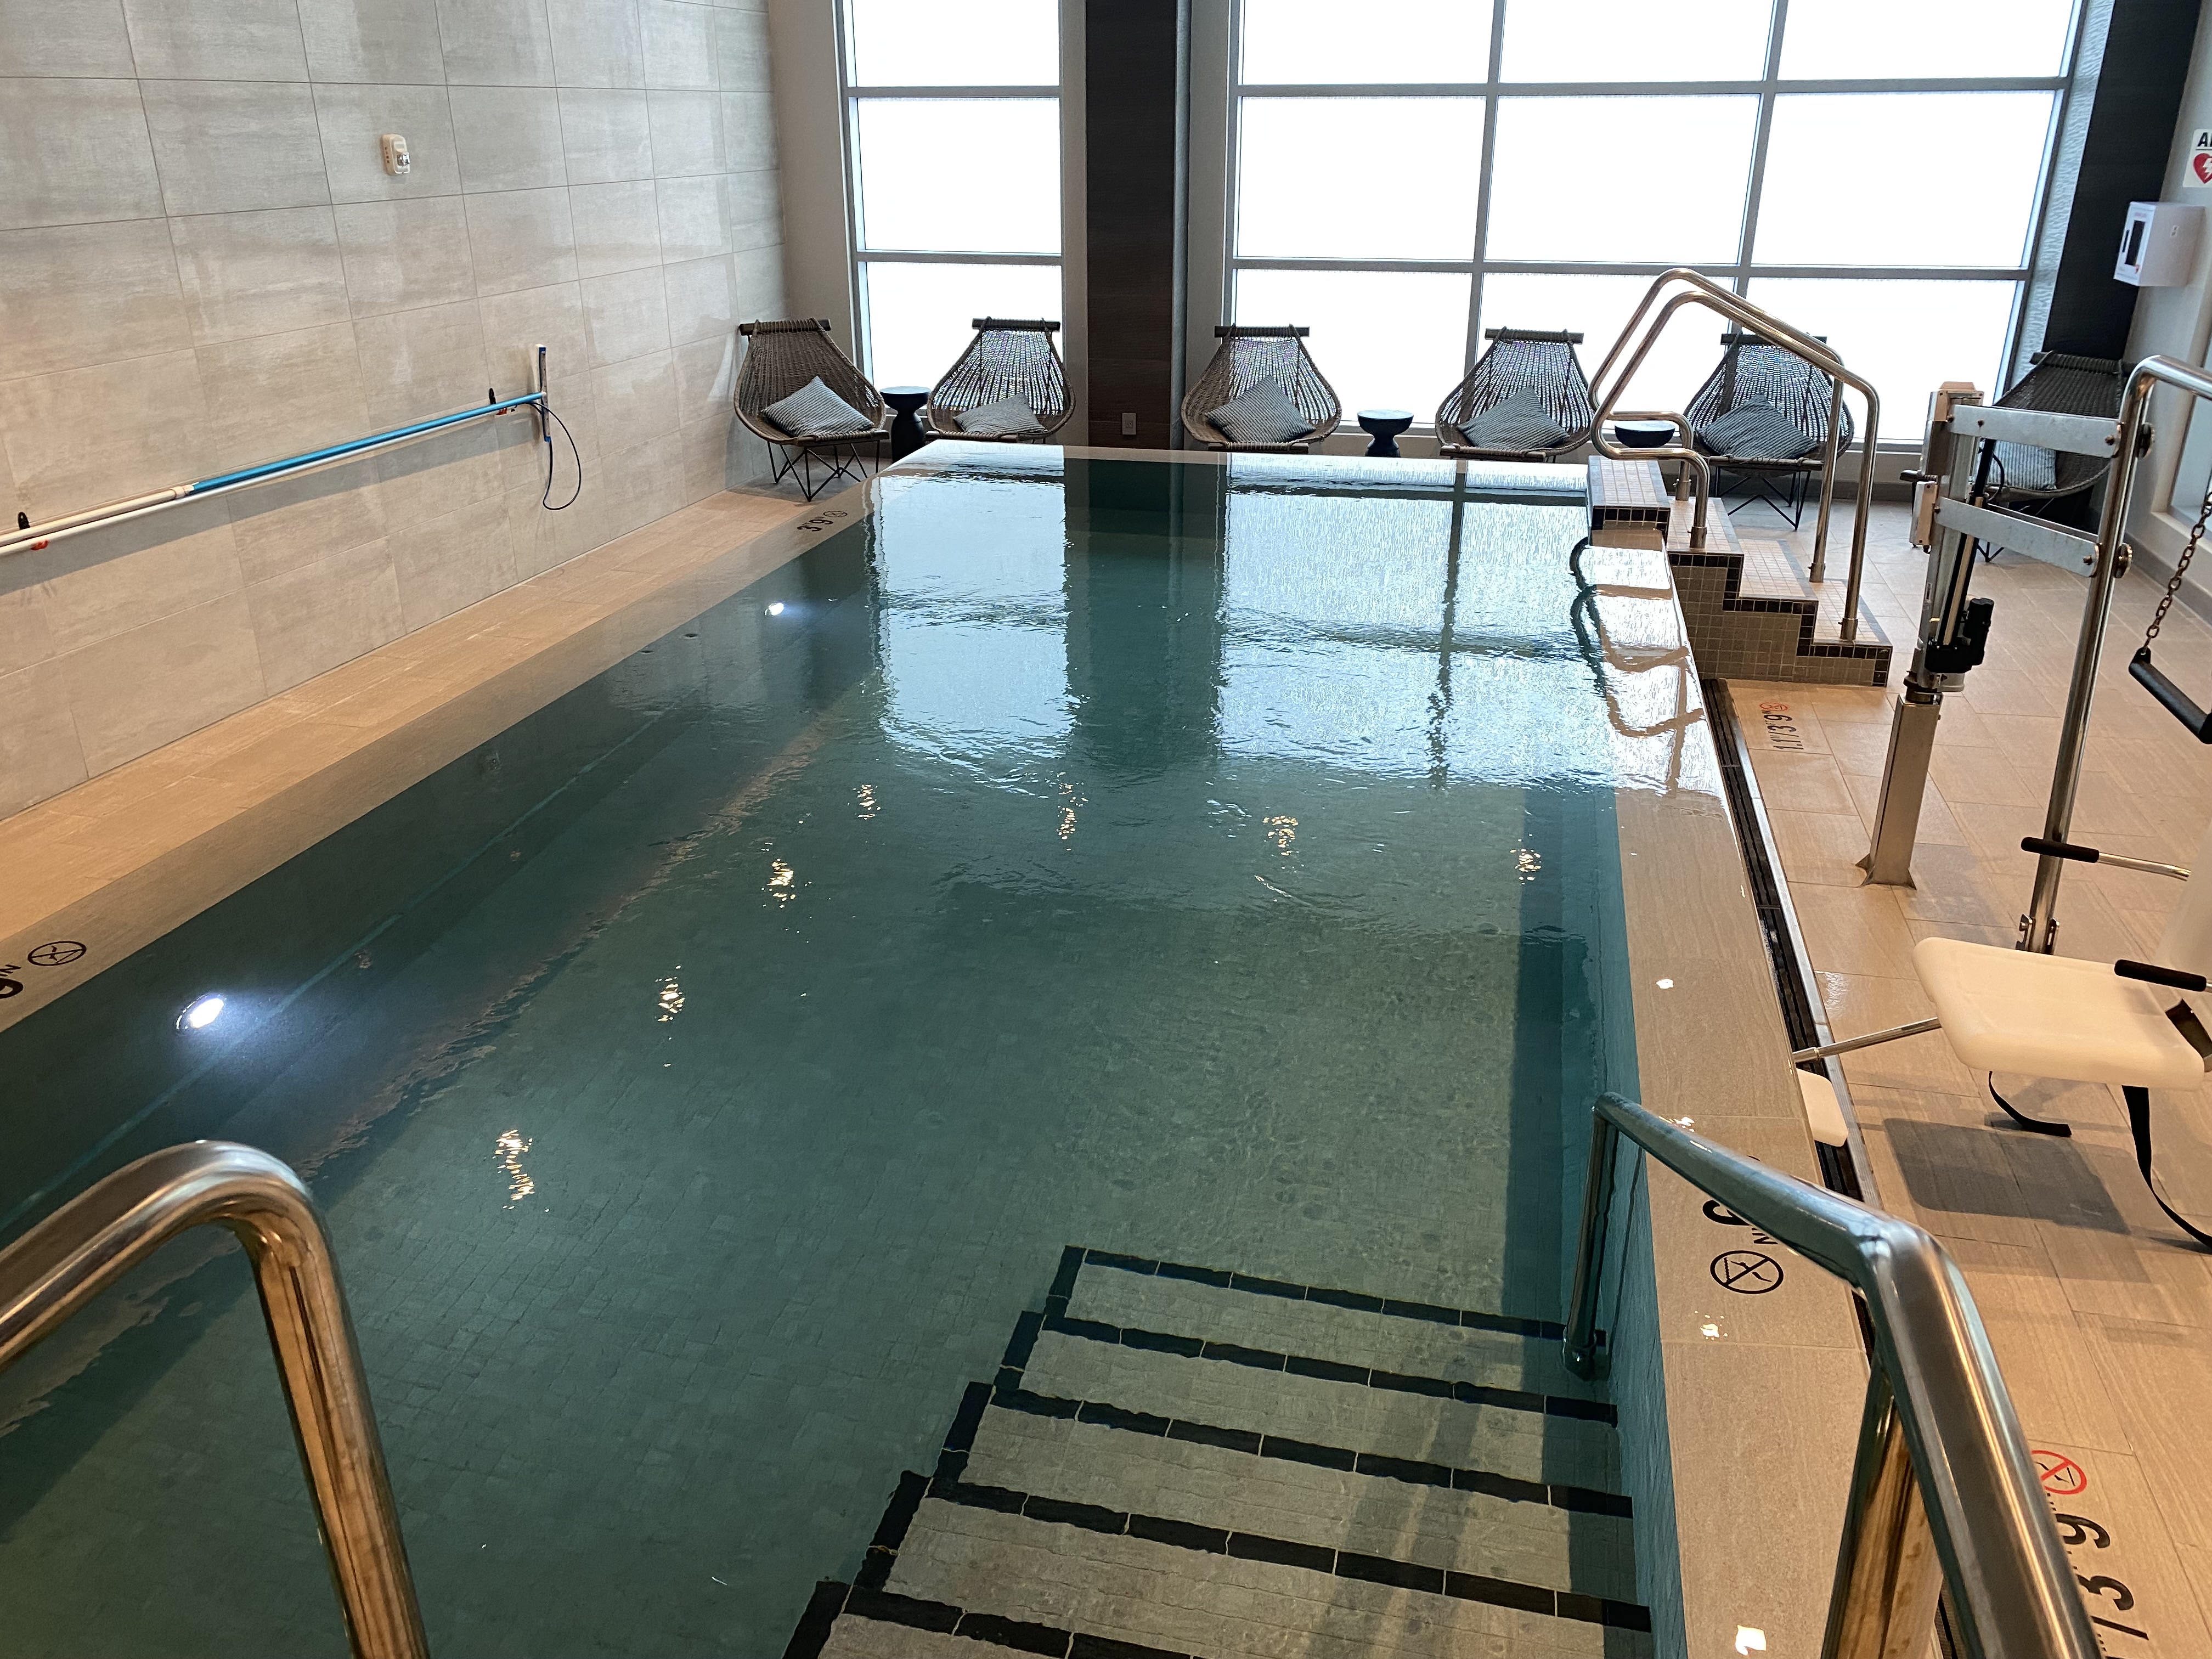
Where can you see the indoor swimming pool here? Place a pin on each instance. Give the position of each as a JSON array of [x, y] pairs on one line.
[[1212, 863]]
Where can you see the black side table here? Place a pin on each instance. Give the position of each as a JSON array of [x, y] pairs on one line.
[[1383, 426], [906, 431]]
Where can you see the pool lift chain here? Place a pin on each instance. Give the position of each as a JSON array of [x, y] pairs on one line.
[[1951, 518]]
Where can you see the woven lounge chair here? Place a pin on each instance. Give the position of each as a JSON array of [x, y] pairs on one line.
[[2023, 476], [1007, 358], [1784, 400], [1526, 382], [1247, 356], [781, 357]]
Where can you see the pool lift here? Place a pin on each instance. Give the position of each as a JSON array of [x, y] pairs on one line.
[[2027, 1010]]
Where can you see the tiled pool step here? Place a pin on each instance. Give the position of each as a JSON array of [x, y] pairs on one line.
[[1274, 1469]]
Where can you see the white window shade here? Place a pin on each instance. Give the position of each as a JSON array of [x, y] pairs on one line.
[[1908, 338], [1838, 168], [958, 175], [920, 316], [1383, 339], [1326, 42], [955, 43], [1908, 39], [1636, 40], [1587, 179], [1308, 187]]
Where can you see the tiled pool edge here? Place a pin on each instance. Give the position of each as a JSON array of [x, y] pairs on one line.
[[1736, 1445], [275, 779]]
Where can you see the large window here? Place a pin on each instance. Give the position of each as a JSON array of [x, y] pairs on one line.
[[953, 121], [1871, 170]]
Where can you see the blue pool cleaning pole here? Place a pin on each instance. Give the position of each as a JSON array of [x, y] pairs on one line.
[[32, 537]]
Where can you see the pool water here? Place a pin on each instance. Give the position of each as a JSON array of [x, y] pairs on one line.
[[1215, 864]]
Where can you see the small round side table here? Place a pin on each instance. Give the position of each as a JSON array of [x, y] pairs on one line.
[[906, 431], [1383, 426]]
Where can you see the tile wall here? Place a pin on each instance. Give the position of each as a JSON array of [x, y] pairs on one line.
[[203, 264]]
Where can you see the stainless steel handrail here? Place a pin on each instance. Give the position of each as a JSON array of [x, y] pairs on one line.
[[88, 1243], [1771, 329], [2038, 928], [1944, 1496], [32, 538]]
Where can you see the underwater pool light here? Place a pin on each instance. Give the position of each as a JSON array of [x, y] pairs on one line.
[[200, 1013], [776, 610]]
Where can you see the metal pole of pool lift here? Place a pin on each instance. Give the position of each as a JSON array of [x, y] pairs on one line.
[[1940, 656]]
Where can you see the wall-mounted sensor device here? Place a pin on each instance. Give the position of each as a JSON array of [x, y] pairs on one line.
[[396, 161], [2159, 246]]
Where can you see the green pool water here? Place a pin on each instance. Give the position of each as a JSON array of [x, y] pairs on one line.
[[1213, 864]]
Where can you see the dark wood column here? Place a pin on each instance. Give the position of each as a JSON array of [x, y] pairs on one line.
[[1136, 162]]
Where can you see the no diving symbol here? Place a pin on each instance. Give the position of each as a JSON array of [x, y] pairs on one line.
[[1745, 1272], [56, 953], [2062, 1476]]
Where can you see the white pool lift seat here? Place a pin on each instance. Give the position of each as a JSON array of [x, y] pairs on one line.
[[2132, 1025]]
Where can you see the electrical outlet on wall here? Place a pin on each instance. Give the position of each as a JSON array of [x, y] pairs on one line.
[[1128, 426], [396, 161]]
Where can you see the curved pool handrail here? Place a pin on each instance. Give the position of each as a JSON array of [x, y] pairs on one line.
[[84, 1247], [1944, 1495]]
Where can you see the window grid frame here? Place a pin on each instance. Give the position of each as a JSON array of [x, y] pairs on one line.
[[1737, 274], [858, 255]]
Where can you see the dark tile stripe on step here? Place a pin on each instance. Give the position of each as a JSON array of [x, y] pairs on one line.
[[1343, 1563], [1581, 1500], [1075, 1257], [832, 1599], [1467, 1394]]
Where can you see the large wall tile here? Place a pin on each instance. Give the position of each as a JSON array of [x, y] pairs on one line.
[[442, 474], [691, 222], [752, 210], [39, 755], [416, 364], [452, 561], [281, 394], [393, 41], [607, 134], [74, 294], [636, 399], [701, 300], [259, 273], [496, 42], [138, 690], [517, 323], [108, 581], [521, 238], [99, 434], [74, 151], [706, 379], [741, 54], [617, 226], [66, 37], [313, 618], [352, 118], [625, 315], [228, 146], [509, 137], [24, 636], [679, 42], [749, 131], [297, 520], [758, 273], [217, 39], [687, 133], [595, 43], [402, 256]]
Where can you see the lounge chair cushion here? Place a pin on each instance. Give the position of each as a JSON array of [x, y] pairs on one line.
[[1520, 422], [1009, 417], [1757, 432], [2025, 467], [815, 411], [1264, 414]]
